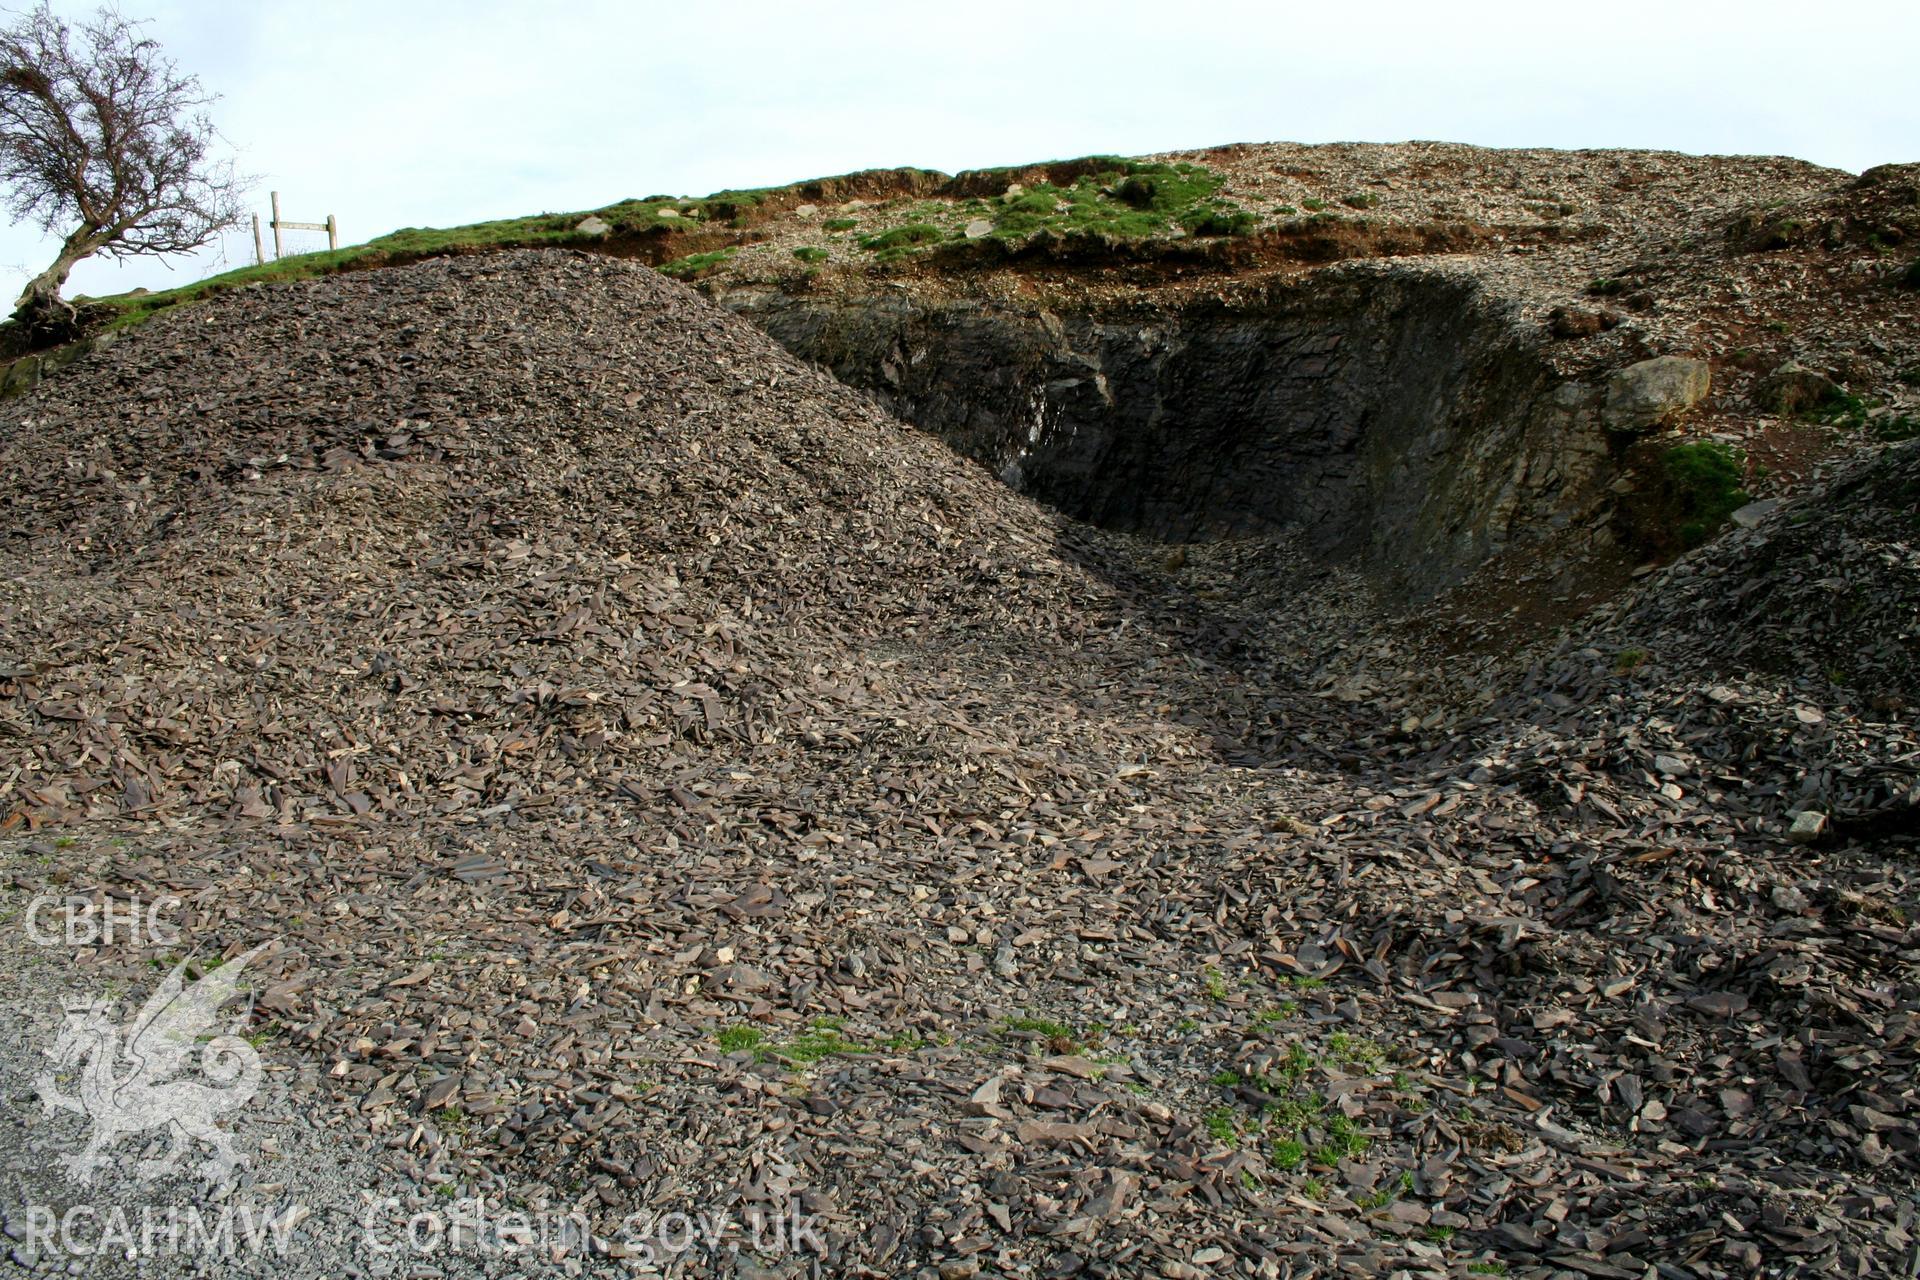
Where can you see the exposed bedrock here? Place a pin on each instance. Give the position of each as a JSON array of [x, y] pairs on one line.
[[1392, 414]]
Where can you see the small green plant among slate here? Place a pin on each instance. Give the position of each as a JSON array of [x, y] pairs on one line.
[[1629, 660], [841, 224], [810, 253]]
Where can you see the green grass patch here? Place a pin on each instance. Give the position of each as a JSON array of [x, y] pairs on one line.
[[1132, 200], [1224, 1124], [1703, 487], [1292, 1116], [914, 233], [662, 215], [739, 1039], [1894, 427], [840, 224], [1343, 1141], [1850, 412], [695, 265], [898, 242], [810, 254], [822, 1038]]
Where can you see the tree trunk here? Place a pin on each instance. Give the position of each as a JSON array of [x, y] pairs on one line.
[[42, 293]]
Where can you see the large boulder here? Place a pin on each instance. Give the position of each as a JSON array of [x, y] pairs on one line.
[[1654, 392]]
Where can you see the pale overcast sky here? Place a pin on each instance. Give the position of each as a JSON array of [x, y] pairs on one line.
[[416, 113]]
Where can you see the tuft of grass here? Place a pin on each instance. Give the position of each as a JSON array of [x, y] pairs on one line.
[[840, 224], [1292, 1116], [1060, 1037], [1360, 200], [1344, 1141], [739, 1039], [1629, 660], [809, 253], [1606, 287], [1274, 1013], [821, 1040], [1355, 1052], [1216, 984], [1703, 484], [1487, 1267], [1289, 1153], [1223, 1124]]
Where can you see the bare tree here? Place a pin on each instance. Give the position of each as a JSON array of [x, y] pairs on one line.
[[102, 140]]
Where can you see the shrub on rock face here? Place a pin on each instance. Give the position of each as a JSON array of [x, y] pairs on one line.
[[1702, 481]]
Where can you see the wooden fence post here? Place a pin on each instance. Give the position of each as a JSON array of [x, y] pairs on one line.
[[330, 226], [259, 245]]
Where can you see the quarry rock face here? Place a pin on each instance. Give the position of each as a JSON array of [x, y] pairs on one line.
[[1387, 412]]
